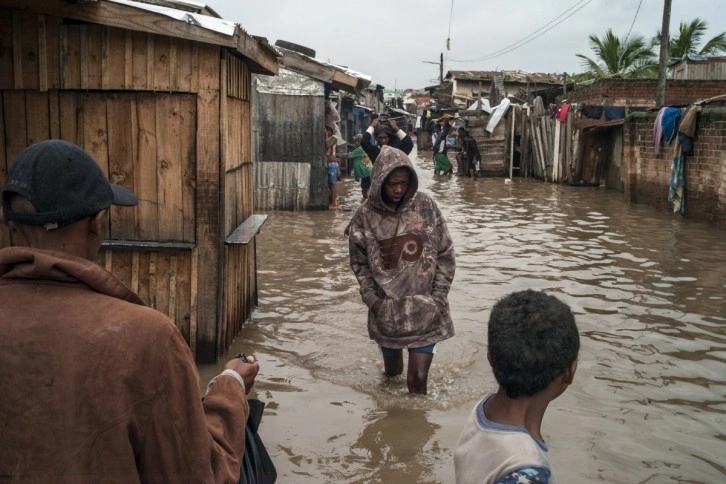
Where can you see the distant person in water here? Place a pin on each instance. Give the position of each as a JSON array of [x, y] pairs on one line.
[[533, 347], [469, 160], [386, 133], [403, 257], [442, 164]]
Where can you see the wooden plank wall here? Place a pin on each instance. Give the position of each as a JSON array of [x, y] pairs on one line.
[[149, 109], [143, 141], [40, 52], [240, 287], [239, 268], [162, 279]]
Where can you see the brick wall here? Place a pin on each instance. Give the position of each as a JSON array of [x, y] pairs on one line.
[[646, 174], [642, 92]]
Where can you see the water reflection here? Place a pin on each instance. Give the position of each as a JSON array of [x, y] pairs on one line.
[[647, 290]]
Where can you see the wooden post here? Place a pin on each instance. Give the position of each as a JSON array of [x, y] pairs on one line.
[[511, 142], [556, 154]]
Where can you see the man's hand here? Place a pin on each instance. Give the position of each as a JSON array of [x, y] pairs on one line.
[[375, 122], [248, 371], [394, 126]]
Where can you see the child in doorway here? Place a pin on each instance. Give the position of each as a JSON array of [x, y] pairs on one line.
[[330, 142], [533, 346]]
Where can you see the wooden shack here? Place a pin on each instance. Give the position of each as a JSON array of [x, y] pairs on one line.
[[289, 119], [160, 97]]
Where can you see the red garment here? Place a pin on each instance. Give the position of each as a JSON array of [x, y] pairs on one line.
[[562, 113]]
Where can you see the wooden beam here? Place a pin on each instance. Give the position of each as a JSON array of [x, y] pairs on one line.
[[263, 61]]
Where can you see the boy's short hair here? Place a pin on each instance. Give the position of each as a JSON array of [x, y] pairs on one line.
[[533, 338]]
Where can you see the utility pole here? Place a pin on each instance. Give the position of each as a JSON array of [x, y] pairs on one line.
[[441, 67], [664, 40]]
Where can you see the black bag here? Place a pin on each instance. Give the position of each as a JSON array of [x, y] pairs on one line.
[[257, 467]]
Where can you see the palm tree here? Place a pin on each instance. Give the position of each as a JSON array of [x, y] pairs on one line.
[[627, 58], [689, 38]]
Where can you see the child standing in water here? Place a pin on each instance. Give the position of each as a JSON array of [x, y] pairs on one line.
[[403, 257]]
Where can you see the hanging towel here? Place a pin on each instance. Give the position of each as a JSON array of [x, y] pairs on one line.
[[688, 123], [669, 122], [561, 115], [675, 184], [592, 112], [614, 112], [658, 130]]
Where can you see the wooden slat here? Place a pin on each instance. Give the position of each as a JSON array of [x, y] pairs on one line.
[[84, 61], [188, 156], [14, 112], [173, 65], [7, 55], [183, 65], [169, 167], [4, 165], [105, 59], [71, 117], [183, 291], [122, 129], [193, 300], [42, 55], [135, 272], [145, 174], [162, 282], [173, 289], [152, 280], [17, 50], [162, 61], [207, 208], [70, 56], [52, 46], [91, 63], [128, 60], [38, 117], [95, 136], [150, 60]]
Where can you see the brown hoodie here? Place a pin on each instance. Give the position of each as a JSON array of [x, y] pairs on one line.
[[404, 257], [96, 387]]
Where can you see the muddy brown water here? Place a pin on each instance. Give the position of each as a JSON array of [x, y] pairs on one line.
[[648, 402]]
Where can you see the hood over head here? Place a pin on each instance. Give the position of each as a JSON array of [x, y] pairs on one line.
[[388, 160]]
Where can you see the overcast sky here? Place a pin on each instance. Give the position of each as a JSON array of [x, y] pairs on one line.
[[390, 40]]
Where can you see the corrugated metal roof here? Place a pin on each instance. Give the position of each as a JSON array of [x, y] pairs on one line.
[[220, 25], [508, 76]]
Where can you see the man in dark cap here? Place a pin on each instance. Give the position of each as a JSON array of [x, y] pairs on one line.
[[96, 386]]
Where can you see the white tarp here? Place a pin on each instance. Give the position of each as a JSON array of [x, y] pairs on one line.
[[484, 106], [497, 114]]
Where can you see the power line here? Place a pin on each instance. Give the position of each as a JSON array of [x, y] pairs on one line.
[[636, 16], [577, 6]]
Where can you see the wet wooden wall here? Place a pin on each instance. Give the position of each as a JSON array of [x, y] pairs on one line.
[[168, 118]]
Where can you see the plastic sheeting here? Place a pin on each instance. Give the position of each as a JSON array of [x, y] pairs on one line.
[[290, 83]]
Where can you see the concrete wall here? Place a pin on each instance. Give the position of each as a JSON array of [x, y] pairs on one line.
[[646, 174]]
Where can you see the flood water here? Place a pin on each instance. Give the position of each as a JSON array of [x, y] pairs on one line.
[[648, 402]]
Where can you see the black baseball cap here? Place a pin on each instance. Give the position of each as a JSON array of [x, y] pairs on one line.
[[63, 183]]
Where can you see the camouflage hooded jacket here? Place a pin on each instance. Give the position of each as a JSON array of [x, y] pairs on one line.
[[405, 257]]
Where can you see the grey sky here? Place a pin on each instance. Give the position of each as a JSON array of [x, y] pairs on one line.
[[390, 40]]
